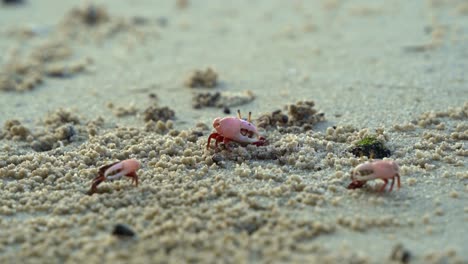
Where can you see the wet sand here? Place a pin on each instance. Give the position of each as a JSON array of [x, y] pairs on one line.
[[82, 86]]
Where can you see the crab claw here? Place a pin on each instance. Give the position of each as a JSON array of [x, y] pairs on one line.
[[123, 168], [261, 142], [95, 183], [356, 185], [116, 171]]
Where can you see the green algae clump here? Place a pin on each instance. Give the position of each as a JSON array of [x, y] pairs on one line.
[[371, 147]]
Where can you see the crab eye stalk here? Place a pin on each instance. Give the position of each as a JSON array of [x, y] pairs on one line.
[[250, 117], [239, 114]]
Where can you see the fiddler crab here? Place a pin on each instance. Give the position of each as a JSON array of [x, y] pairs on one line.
[[379, 169], [115, 171], [235, 129]]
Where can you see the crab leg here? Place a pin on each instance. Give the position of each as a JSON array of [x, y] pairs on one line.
[[226, 142], [215, 136], [134, 177], [391, 185], [218, 139], [385, 184]]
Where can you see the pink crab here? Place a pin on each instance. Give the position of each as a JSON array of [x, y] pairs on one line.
[[379, 169], [116, 171], [235, 129]]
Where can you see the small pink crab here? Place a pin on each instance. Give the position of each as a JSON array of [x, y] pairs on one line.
[[235, 129], [379, 169], [115, 171]]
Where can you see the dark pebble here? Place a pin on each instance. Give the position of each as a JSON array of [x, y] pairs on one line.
[[217, 158], [92, 16], [42, 145], [138, 20], [197, 133], [162, 21], [122, 231], [284, 119], [400, 254]]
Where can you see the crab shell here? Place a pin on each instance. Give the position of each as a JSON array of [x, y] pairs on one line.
[[236, 129], [379, 169]]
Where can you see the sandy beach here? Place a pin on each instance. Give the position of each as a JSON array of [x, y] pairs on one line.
[[84, 85]]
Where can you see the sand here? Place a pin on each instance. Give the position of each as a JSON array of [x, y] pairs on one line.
[[82, 86]]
